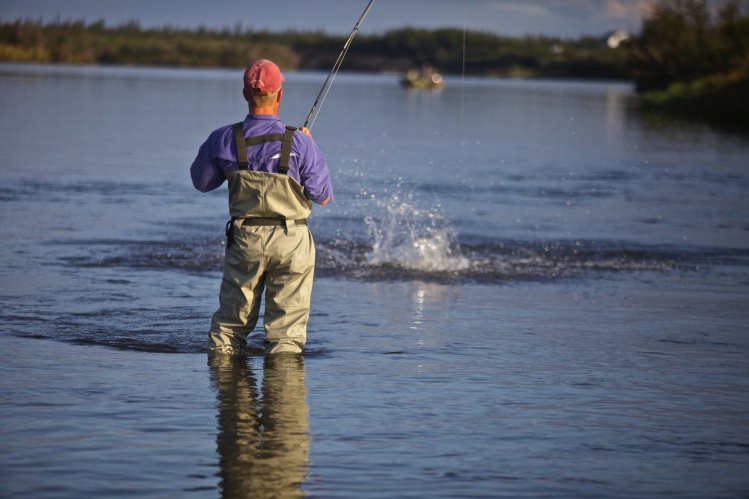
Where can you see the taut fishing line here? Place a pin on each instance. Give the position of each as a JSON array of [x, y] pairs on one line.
[[333, 72], [463, 85]]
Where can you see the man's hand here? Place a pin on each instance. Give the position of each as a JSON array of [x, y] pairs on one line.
[[304, 129]]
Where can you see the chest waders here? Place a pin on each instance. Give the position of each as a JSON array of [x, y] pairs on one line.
[[268, 249], [261, 198]]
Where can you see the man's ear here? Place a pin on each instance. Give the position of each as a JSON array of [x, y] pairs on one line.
[[279, 96], [246, 93]]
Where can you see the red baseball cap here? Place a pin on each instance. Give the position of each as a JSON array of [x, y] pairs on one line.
[[263, 75]]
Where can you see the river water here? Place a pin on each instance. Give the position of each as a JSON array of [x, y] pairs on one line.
[[524, 288]]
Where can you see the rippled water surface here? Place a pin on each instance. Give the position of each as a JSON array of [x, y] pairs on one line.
[[524, 288]]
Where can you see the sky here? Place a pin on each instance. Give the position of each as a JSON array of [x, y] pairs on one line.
[[562, 18]]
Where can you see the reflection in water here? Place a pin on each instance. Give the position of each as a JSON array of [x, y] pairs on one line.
[[263, 439]]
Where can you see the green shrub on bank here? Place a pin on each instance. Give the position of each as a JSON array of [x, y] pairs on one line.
[[692, 59], [723, 98]]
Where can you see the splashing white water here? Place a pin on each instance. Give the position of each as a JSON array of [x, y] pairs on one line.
[[413, 239]]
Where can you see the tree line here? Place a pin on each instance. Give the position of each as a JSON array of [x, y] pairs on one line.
[[395, 51], [690, 56]]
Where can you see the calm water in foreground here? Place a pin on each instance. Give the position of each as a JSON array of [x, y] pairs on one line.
[[524, 289]]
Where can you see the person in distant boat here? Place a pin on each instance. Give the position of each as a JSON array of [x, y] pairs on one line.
[[274, 175]]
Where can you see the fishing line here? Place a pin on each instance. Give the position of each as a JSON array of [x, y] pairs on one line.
[[463, 86], [334, 71], [463, 77]]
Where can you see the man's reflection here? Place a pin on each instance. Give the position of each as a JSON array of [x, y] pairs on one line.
[[263, 439]]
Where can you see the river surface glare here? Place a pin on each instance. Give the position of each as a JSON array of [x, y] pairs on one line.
[[523, 289]]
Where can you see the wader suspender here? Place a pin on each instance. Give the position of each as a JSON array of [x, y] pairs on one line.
[[243, 143], [285, 138]]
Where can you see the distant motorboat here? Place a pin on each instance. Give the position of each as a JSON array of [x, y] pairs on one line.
[[424, 78]]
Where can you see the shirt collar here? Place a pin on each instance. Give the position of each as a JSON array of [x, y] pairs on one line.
[[269, 117]]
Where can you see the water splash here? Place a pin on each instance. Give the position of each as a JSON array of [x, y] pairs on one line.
[[414, 239]]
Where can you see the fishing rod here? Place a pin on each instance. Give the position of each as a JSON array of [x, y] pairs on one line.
[[335, 69]]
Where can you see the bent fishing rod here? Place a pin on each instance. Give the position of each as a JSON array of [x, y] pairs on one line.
[[336, 67]]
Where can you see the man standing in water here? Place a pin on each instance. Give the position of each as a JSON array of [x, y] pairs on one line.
[[274, 174]]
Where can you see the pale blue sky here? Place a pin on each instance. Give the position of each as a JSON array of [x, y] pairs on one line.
[[566, 18]]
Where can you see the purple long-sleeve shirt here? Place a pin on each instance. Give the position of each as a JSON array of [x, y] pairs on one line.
[[218, 155]]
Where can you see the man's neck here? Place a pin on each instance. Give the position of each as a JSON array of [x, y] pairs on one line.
[[264, 110]]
